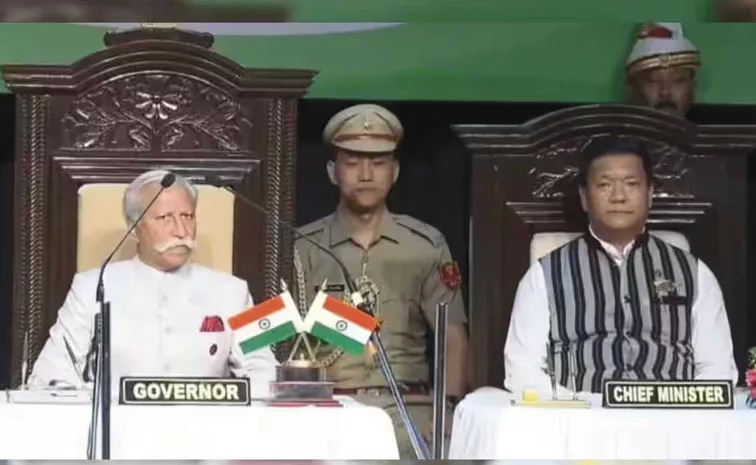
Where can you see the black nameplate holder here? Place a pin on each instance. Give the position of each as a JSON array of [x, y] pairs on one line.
[[697, 394], [329, 287], [184, 391]]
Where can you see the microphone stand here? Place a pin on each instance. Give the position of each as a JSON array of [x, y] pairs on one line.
[[439, 381], [102, 383], [100, 419], [418, 443]]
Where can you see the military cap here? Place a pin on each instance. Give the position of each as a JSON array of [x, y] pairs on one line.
[[662, 45], [364, 128]]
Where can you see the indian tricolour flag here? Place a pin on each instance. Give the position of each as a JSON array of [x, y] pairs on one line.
[[266, 323], [340, 324]]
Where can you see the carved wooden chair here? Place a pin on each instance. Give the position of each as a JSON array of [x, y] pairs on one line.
[[525, 205], [101, 225], [153, 98]]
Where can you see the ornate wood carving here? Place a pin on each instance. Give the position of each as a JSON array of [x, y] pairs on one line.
[[153, 97], [524, 183], [160, 112], [555, 169]]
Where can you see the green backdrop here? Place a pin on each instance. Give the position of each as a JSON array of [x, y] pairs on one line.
[[424, 60]]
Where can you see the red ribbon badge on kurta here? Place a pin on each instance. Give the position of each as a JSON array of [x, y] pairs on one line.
[[212, 324], [450, 276]]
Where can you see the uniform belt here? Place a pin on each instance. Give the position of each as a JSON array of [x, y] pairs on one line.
[[411, 389]]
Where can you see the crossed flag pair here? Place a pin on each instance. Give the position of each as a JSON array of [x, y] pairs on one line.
[[278, 318]]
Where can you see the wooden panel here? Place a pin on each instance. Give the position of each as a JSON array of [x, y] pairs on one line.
[[524, 181], [153, 98]]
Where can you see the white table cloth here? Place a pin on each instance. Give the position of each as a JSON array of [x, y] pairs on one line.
[[59, 431], [487, 426]]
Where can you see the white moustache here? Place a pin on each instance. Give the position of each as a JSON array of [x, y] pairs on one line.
[[175, 243]]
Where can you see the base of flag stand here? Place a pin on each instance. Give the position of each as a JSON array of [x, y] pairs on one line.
[[301, 383], [301, 390]]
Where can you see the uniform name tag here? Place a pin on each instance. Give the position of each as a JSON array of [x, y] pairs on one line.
[[330, 288], [184, 391], [668, 394]]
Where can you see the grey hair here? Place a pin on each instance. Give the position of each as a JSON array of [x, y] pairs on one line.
[[132, 197]]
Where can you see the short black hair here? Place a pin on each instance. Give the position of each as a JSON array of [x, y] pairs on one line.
[[612, 145]]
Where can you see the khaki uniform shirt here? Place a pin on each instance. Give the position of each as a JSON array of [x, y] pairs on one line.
[[404, 264]]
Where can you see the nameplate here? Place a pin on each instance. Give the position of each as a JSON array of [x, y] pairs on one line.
[[184, 391], [668, 394]]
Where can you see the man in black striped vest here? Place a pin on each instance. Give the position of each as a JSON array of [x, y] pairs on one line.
[[617, 302]]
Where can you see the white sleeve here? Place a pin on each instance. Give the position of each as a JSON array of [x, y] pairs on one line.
[[63, 357], [525, 350], [710, 333], [259, 366]]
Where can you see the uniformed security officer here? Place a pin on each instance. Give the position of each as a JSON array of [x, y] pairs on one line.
[[661, 69], [399, 263]]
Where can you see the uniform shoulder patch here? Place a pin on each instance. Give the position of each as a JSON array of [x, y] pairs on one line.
[[433, 235]]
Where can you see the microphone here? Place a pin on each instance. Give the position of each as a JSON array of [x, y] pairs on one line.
[[100, 348], [421, 448], [165, 183]]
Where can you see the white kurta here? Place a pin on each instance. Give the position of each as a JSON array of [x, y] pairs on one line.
[[527, 340], [156, 321]]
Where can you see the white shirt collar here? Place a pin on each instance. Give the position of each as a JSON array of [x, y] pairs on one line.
[[158, 275], [619, 256]]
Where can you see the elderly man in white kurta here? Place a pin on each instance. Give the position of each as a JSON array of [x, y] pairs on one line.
[[168, 315]]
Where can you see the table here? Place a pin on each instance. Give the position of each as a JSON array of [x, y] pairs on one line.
[[487, 426], [59, 431]]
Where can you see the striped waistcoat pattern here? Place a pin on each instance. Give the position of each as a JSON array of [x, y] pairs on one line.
[[627, 322]]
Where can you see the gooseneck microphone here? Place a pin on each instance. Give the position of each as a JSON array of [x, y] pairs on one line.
[[215, 181], [418, 443], [100, 348]]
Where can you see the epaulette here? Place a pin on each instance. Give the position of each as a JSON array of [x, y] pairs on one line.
[[425, 230], [314, 227]]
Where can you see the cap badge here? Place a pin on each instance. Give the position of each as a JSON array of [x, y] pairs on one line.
[[665, 61]]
